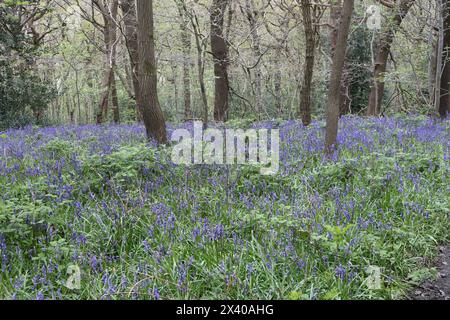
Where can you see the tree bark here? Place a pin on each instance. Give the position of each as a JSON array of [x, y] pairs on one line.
[[200, 45], [336, 76], [102, 110], [432, 67], [335, 16], [444, 101], [186, 44], [382, 55], [219, 50], [252, 16], [113, 24], [305, 100], [174, 83], [109, 82], [115, 100], [151, 111], [277, 86], [130, 24]]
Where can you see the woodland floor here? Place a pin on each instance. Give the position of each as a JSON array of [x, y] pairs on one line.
[[438, 289], [372, 224]]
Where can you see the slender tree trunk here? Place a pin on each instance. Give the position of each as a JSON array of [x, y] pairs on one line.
[[102, 110], [200, 65], [201, 80], [77, 88], [334, 95], [345, 102], [109, 82], [130, 24], [432, 67], [186, 44], [252, 16], [277, 87], [70, 110], [439, 55], [306, 101], [150, 108], [115, 100], [335, 16], [382, 55], [175, 87], [58, 109], [444, 101], [112, 16], [278, 73], [219, 50], [90, 105]]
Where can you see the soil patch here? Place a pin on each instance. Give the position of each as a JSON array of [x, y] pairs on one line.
[[438, 289]]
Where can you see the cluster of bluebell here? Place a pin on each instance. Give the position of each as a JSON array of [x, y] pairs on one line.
[[141, 227]]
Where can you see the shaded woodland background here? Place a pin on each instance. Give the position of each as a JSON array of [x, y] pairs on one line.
[[77, 62]]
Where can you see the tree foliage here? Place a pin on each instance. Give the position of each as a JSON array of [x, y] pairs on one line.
[[24, 96]]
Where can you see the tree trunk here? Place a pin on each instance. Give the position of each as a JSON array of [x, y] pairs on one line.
[[382, 55], [345, 101], [113, 34], [277, 87], [186, 43], [219, 50], [77, 88], [90, 104], [115, 100], [305, 100], [201, 79], [173, 81], [334, 95], [335, 16], [102, 110], [200, 64], [444, 101], [150, 108], [432, 67], [252, 16], [109, 82], [130, 23]]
